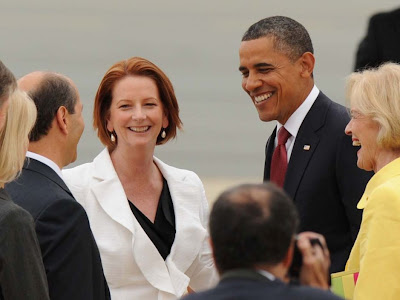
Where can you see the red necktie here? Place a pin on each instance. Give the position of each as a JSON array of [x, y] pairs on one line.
[[279, 158]]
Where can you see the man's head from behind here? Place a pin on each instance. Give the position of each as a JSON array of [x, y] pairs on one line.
[[277, 61], [252, 225], [59, 112]]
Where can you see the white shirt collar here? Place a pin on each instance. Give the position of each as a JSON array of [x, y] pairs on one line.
[[266, 274], [294, 122], [46, 161]]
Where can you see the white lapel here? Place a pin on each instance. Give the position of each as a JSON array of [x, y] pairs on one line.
[[112, 198], [186, 197], [109, 191]]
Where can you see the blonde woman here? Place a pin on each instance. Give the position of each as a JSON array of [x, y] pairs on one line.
[[22, 274], [375, 127]]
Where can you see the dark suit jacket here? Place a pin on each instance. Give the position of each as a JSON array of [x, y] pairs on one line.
[[382, 42], [22, 275], [324, 181], [70, 254], [248, 284]]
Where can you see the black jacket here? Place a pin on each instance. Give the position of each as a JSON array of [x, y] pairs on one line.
[[70, 254]]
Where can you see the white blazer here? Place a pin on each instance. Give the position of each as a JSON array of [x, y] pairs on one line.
[[133, 267]]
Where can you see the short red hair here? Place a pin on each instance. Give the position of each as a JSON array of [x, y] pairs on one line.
[[135, 66]]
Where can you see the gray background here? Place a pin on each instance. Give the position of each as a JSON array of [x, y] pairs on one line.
[[196, 44]]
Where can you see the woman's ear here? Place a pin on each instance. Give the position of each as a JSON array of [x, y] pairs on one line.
[[165, 122]]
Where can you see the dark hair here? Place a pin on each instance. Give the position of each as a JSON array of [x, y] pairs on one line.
[[290, 37], [54, 91], [8, 83], [134, 66], [252, 224]]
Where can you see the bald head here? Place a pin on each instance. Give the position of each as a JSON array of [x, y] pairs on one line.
[[49, 91], [31, 81], [252, 224]]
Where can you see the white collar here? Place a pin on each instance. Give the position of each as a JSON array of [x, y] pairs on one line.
[[266, 274], [294, 122], [51, 164]]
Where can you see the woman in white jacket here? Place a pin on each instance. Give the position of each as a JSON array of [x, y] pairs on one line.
[[149, 219]]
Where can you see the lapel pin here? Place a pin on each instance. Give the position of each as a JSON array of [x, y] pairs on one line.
[[306, 147]]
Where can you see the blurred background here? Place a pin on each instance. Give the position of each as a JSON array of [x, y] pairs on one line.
[[196, 44]]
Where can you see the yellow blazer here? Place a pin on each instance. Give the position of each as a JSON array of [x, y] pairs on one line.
[[376, 252], [133, 267]]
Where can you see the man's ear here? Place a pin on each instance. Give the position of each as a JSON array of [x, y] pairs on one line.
[[61, 119], [287, 261], [307, 61]]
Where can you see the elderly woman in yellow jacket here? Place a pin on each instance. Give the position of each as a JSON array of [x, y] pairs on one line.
[[375, 127]]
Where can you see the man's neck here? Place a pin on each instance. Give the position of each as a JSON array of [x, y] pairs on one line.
[[278, 270], [48, 150]]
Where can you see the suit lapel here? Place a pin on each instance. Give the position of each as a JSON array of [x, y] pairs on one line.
[[306, 143], [39, 167], [186, 198], [269, 150]]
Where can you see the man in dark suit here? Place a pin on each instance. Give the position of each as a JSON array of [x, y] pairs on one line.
[[252, 229], [318, 167], [382, 42], [70, 254]]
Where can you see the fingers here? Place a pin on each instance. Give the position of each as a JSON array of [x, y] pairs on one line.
[[304, 240], [316, 262]]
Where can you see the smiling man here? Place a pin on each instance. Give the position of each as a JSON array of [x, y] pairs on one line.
[[310, 157]]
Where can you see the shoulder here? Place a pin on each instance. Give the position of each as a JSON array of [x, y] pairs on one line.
[[12, 215], [385, 17], [81, 176], [337, 113], [304, 292], [177, 173]]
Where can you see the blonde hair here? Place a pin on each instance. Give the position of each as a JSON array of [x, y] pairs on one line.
[[376, 94], [20, 118]]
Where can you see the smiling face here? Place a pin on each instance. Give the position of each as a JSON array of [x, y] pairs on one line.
[[276, 85], [136, 113], [364, 132]]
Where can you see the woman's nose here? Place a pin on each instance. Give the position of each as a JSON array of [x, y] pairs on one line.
[[138, 114], [347, 130]]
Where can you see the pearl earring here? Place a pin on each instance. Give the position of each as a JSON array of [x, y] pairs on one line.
[[163, 134], [112, 138]]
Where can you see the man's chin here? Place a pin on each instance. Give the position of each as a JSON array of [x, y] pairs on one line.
[[266, 118]]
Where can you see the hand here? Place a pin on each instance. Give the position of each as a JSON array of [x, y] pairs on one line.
[[316, 261]]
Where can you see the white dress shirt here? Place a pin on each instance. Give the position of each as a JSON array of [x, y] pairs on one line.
[[46, 161], [296, 119]]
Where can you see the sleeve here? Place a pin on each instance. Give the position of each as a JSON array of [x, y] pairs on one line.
[[204, 273], [69, 252], [352, 182], [380, 247], [367, 52], [22, 274]]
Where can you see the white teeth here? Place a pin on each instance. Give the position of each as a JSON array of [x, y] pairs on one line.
[[356, 143], [258, 99], [139, 129]]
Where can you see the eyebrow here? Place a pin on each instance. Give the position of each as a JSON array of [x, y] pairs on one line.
[[259, 65]]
